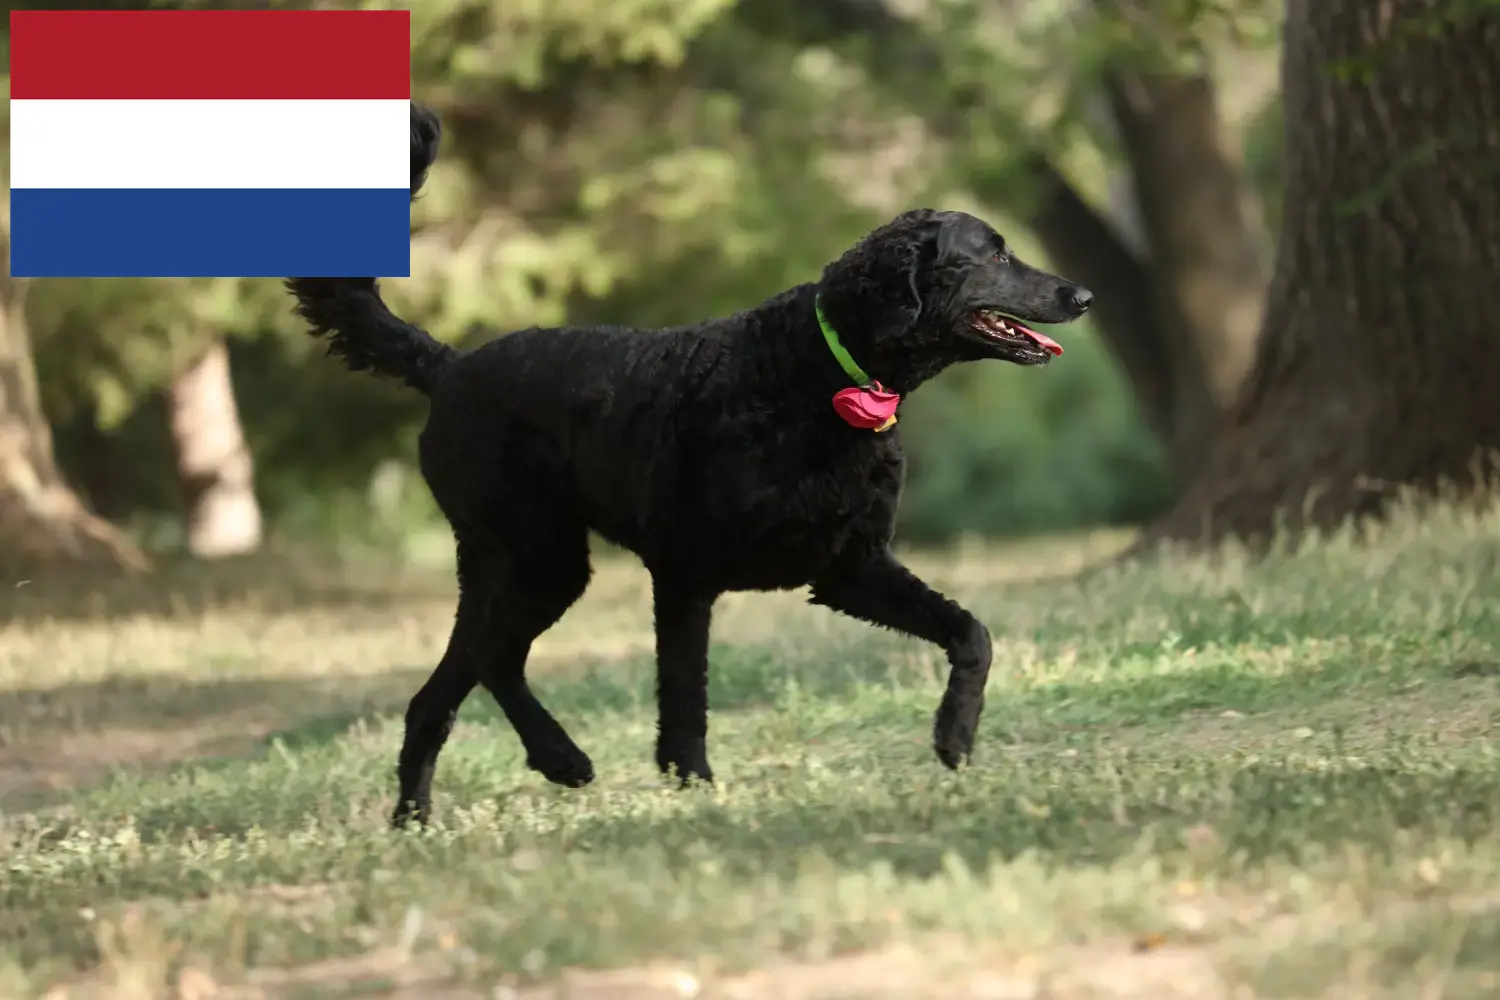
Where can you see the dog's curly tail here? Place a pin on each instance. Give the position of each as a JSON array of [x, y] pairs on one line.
[[350, 313]]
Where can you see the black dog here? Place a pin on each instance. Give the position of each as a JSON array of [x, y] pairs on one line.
[[745, 453]]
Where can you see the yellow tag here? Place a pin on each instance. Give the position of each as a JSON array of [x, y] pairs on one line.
[[887, 425]]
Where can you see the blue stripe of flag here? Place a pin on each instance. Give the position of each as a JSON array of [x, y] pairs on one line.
[[193, 232]]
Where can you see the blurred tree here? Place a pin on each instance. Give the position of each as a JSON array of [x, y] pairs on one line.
[[42, 521], [637, 161], [118, 341], [114, 349], [1206, 265], [1377, 365], [214, 467]]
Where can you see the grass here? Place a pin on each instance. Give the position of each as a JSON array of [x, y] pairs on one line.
[[1197, 779]]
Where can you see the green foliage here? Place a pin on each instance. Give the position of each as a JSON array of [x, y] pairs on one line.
[[1004, 451], [651, 162]]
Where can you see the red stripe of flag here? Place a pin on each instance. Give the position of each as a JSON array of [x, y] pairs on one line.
[[210, 54]]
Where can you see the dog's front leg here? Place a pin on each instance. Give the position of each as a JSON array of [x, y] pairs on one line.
[[682, 624], [874, 587]]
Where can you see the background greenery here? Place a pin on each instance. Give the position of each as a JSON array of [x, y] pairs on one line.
[[645, 162]]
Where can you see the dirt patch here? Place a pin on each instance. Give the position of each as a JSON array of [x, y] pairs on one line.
[[938, 968], [938, 971], [191, 725], [63, 762], [143, 695], [1067, 974], [54, 742]]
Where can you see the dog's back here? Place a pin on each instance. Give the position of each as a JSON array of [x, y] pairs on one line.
[[587, 418]]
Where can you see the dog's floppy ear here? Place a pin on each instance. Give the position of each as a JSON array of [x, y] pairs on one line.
[[959, 237], [962, 237]]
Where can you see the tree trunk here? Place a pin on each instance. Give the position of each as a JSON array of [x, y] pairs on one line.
[[1082, 244], [43, 524], [1180, 269], [1209, 268], [1379, 361], [213, 462]]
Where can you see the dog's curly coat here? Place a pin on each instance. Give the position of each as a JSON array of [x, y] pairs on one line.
[[711, 451]]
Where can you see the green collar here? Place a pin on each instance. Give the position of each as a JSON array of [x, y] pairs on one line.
[[855, 372]]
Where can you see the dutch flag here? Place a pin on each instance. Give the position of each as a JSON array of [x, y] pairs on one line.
[[246, 143]]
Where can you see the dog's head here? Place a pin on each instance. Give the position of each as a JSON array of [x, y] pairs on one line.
[[929, 289]]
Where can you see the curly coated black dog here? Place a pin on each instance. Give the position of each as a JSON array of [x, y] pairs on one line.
[[753, 452]]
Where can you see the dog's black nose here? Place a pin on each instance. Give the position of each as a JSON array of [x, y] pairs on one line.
[[1076, 297]]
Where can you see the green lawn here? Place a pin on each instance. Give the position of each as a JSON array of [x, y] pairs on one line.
[[1194, 780]]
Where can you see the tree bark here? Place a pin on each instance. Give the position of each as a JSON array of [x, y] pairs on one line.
[[43, 523], [1378, 365], [213, 462]]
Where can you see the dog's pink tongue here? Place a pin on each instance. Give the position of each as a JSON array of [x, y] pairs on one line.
[[1043, 341]]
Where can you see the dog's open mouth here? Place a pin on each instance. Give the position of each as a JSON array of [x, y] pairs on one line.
[[1006, 330]]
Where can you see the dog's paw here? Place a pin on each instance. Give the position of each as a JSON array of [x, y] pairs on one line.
[[958, 716], [566, 766], [686, 761], [409, 810], [952, 754], [954, 729]]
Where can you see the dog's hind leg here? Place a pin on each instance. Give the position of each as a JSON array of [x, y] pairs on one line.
[[535, 579], [874, 587], [430, 715], [501, 610]]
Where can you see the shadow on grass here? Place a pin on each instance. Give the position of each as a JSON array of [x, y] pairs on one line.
[[1268, 810], [607, 696], [310, 712], [184, 588], [54, 741]]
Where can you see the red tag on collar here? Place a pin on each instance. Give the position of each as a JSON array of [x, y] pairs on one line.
[[868, 407]]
